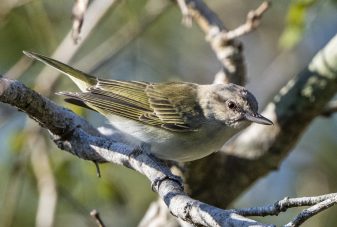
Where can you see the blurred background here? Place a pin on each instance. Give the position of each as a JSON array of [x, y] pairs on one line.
[[145, 40]]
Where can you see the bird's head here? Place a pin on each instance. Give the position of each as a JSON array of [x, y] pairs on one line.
[[231, 105]]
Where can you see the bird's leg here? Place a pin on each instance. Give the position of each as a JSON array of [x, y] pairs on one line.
[[167, 174]]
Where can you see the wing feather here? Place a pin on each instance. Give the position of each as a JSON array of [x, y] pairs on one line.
[[139, 101]]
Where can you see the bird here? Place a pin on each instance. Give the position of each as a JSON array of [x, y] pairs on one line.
[[177, 121]]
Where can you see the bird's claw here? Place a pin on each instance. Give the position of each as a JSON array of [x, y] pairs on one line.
[[157, 182]]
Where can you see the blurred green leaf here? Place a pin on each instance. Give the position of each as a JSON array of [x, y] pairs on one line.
[[295, 23], [17, 140]]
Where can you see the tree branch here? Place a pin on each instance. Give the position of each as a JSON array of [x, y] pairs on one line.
[[311, 211], [223, 41], [95, 215], [284, 204], [228, 52], [252, 22], [79, 9]]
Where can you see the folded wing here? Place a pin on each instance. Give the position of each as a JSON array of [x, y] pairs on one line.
[[140, 101]]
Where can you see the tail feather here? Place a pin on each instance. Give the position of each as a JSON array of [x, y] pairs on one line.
[[73, 98], [81, 79]]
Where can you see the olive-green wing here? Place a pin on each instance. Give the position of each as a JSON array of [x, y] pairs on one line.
[[174, 103], [139, 101]]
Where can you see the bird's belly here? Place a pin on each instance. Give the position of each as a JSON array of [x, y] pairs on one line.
[[189, 149], [176, 146]]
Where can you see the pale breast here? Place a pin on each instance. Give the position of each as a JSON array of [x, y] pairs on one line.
[[177, 146]]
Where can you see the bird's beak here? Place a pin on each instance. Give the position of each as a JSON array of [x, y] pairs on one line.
[[258, 118]]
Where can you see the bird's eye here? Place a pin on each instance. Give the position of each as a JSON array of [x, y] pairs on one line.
[[231, 105]]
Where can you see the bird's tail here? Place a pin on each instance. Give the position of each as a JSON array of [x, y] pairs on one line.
[[81, 79]]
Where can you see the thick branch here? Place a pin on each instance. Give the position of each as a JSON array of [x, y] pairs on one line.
[[74, 134]]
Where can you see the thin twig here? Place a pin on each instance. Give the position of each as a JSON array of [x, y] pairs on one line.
[[98, 170], [94, 213], [252, 22], [285, 204], [311, 211], [186, 16]]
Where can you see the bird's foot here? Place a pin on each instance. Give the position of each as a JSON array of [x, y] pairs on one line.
[[166, 175]]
